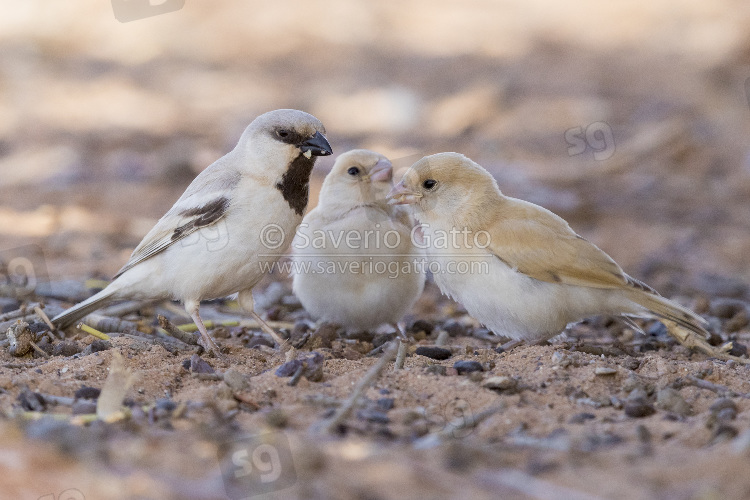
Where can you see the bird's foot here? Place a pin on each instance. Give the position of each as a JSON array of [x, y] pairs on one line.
[[207, 343]]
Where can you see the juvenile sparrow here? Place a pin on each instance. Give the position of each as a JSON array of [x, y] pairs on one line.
[[517, 267], [353, 254], [212, 242]]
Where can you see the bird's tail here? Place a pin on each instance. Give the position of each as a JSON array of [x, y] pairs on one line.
[[671, 311], [78, 311]]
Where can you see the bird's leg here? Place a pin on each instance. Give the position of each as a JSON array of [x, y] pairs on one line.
[[245, 299], [401, 327], [193, 309]]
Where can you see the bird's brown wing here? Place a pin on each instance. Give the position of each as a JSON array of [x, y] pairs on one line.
[[539, 244]]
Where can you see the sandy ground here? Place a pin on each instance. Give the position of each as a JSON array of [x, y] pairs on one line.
[[629, 121]]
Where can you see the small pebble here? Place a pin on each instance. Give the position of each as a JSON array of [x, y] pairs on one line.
[[638, 408], [312, 367], [31, 401], [66, 348], [436, 370], [375, 416], [86, 392], [433, 352], [454, 328], [605, 370], [738, 349], [421, 325], [385, 404], [100, 345], [669, 399], [198, 365], [277, 418], [235, 380], [723, 409], [580, 418], [464, 366], [500, 383], [20, 338]]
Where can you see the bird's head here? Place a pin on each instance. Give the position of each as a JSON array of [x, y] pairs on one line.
[[284, 135], [445, 186], [282, 146], [358, 177]]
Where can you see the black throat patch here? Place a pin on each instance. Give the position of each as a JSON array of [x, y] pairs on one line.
[[295, 183]]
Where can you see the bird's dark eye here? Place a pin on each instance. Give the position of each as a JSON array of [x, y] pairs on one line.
[[353, 171], [283, 133], [429, 184]]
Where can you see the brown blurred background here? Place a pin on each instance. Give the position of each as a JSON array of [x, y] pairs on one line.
[[631, 121]]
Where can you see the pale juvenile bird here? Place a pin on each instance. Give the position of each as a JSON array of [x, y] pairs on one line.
[[526, 274], [215, 238], [353, 253]]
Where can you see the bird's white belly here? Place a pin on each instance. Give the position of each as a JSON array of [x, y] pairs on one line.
[[514, 305], [358, 286], [222, 259]]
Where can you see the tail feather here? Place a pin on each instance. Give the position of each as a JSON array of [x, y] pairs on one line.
[[666, 309], [78, 311]]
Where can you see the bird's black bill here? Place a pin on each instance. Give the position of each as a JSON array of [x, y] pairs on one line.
[[317, 145]]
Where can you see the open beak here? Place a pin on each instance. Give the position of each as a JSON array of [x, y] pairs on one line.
[[316, 145], [381, 172], [401, 195]]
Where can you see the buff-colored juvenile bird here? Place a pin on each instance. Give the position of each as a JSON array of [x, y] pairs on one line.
[[517, 267], [211, 243], [353, 254]]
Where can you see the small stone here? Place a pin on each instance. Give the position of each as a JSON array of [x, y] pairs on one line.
[[31, 401], [100, 345], [500, 383], [198, 365], [259, 340], [463, 367], [235, 380], [312, 366], [669, 399], [86, 392], [638, 408], [433, 352], [436, 370], [605, 370], [454, 328], [375, 416], [737, 322], [277, 418], [385, 404], [738, 349], [421, 325], [20, 338], [66, 348], [723, 409], [727, 308], [580, 418]]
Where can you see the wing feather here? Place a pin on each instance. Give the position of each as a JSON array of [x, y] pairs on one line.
[[204, 203], [538, 243]]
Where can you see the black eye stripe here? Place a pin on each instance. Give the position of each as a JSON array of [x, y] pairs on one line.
[[291, 137]]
